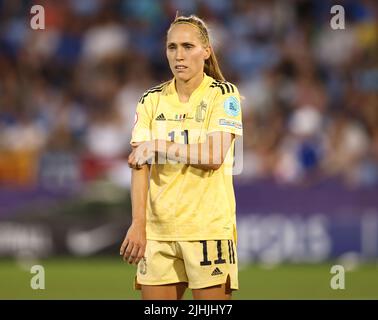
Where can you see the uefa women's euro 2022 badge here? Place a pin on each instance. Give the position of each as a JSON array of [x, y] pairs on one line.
[[231, 106], [143, 266], [200, 112]]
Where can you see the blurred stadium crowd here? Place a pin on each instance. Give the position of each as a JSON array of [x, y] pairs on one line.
[[68, 93]]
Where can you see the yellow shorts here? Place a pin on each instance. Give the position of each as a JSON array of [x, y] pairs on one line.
[[201, 264]]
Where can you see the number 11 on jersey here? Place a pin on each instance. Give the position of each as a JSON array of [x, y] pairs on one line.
[[184, 133]]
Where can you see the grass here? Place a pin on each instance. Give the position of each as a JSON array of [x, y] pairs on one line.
[[108, 278]]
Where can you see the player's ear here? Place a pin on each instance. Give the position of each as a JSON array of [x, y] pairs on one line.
[[207, 53]]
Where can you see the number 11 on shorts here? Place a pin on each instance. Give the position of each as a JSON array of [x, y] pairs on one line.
[[219, 260]]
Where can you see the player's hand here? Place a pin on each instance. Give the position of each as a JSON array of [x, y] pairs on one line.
[[142, 153], [134, 244]]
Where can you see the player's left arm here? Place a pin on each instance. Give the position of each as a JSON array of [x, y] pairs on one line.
[[208, 155]]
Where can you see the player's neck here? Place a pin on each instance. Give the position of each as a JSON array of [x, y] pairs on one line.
[[186, 88]]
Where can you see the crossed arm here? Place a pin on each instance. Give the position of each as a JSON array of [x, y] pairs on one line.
[[208, 155]]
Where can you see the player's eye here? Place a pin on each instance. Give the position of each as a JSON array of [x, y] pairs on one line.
[[171, 47]]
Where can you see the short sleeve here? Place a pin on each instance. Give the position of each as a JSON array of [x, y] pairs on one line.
[[226, 113], [142, 122]]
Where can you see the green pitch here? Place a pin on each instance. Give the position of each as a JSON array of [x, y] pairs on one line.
[[106, 278]]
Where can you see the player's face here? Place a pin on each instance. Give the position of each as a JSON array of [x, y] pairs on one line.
[[185, 52]]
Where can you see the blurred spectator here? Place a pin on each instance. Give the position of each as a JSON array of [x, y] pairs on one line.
[[68, 93], [347, 148]]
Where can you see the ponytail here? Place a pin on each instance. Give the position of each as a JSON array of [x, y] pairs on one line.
[[212, 68]]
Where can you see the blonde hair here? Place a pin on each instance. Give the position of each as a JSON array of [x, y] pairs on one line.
[[211, 67]]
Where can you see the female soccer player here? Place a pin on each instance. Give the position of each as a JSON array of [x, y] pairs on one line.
[[183, 231]]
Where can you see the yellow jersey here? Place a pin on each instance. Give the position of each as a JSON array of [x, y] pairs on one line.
[[185, 203]]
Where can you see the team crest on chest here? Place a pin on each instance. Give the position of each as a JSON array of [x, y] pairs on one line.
[[201, 111]]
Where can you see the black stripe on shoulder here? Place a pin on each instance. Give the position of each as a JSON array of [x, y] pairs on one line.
[[218, 85], [228, 86], [158, 88], [224, 85], [232, 87], [141, 100]]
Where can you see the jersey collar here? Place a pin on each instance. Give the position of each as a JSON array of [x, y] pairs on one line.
[[204, 83]]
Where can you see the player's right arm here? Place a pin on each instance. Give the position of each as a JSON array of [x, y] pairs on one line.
[[134, 244]]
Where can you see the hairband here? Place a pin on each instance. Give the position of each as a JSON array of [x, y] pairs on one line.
[[194, 25]]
